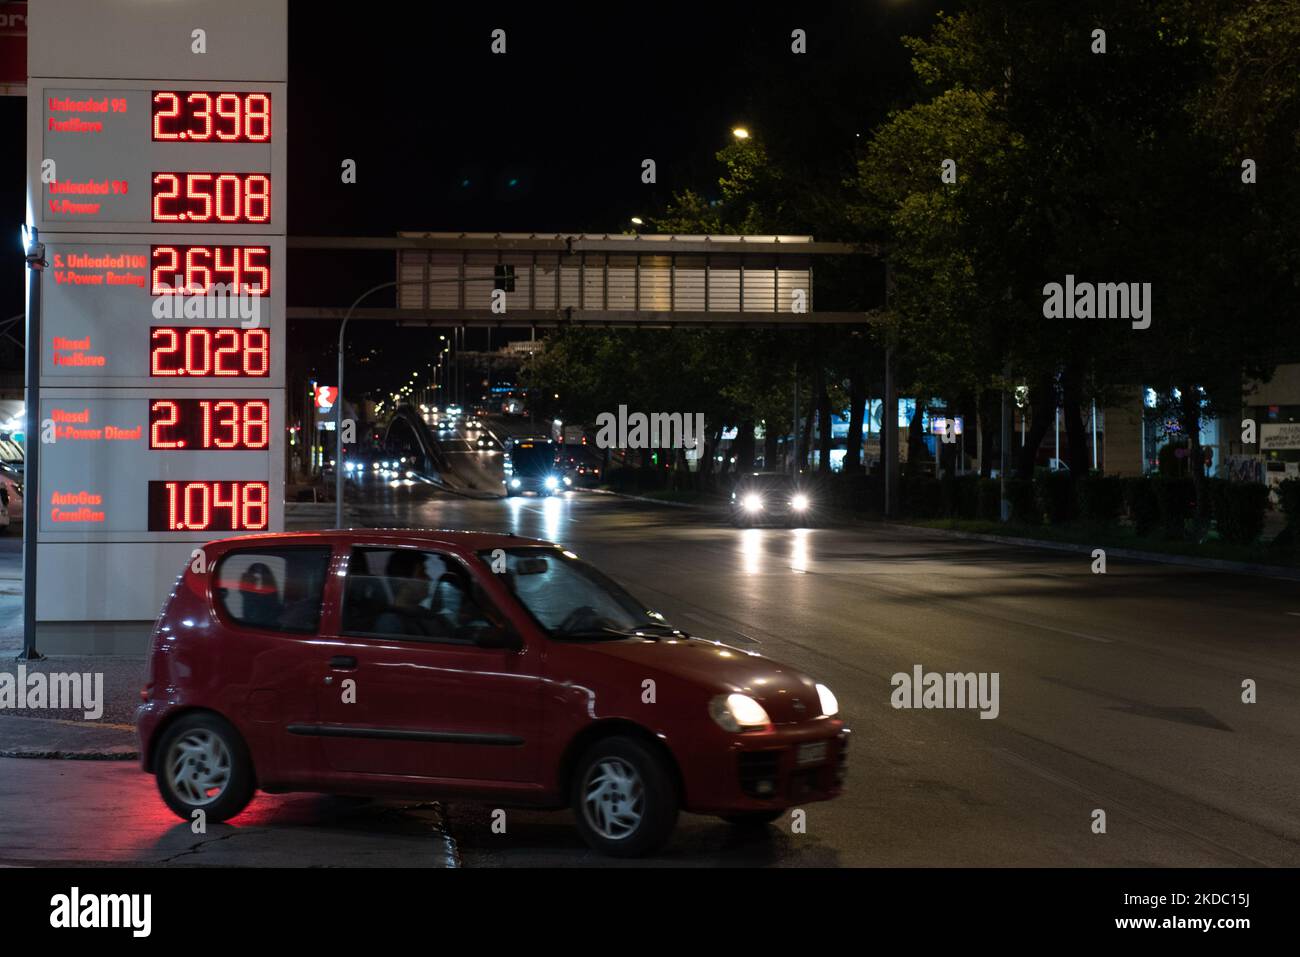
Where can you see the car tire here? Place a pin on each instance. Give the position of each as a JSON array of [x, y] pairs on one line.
[[219, 760], [752, 820], [641, 783]]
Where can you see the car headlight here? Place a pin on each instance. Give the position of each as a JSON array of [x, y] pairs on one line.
[[738, 712], [567, 480], [552, 482], [753, 503], [829, 705], [799, 503], [514, 483]]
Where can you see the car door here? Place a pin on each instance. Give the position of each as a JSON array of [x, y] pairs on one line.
[[399, 694], [270, 599]]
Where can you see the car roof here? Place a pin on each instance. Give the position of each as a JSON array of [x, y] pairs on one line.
[[465, 540]]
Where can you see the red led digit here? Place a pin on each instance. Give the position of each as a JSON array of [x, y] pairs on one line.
[[255, 495], [257, 114], [261, 270], [256, 422], [163, 415], [228, 206], [172, 521], [198, 277], [171, 104], [204, 113], [201, 336], [228, 108], [170, 345], [194, 184], [201, 517], [171, 184], [231, 503], [230, 349], [257, 198], [228, 264], [164, 273], [257, 352]]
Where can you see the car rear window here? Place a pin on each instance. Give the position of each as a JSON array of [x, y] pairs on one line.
[[273, 589]]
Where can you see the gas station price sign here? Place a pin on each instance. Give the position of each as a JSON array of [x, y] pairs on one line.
[[122, 311], [168, 157], [128, 461]]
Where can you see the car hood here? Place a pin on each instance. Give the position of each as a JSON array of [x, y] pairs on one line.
[[788, 695]]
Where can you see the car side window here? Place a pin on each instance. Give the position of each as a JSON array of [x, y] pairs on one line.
[[273, 589], [410, 594]]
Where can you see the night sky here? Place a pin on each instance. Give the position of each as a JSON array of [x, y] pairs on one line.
[[549, 137]]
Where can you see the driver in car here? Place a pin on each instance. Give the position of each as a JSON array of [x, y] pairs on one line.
[[409, 580]]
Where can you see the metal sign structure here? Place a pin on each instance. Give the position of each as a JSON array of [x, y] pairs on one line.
[[157, 181]]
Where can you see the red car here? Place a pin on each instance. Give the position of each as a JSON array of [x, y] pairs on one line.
[[467, 665]]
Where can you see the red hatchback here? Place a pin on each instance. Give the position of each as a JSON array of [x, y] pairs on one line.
[[471, 665]]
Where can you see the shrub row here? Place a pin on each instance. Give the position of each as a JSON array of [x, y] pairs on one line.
[[1155, 505]]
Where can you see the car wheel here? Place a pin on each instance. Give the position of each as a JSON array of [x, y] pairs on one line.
[[202, 764], [753, 819], [624, 798]]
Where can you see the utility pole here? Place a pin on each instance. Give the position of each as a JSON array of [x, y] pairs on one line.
[[34, 256]]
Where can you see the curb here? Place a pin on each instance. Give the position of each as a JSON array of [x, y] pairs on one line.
[[1154, 558], [58, 739]]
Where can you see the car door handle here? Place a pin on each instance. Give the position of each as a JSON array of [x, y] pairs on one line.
[[343, 661]]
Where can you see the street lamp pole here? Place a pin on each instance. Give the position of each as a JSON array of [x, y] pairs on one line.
[[338, 408], [34, 255]]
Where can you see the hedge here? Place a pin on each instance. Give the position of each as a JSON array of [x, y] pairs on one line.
[[1055, 491], [1140, 501], [1101, 499], [1238, 509]]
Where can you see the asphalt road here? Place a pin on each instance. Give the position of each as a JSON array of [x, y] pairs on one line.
[[1120, 692]]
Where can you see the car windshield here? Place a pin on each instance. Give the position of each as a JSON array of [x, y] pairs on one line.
[[766, 483], [569, 598], [530, 458]]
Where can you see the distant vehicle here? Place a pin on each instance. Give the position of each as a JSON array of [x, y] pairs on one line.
[[11, 495], [530, 466], [494, 668], [760, 498], [581, 468]]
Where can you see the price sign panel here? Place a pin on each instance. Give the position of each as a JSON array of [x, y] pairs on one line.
[[185, 313], [118, 157], [157, 179]]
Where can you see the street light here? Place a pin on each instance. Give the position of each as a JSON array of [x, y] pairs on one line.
[[740, 133], [338, 408]]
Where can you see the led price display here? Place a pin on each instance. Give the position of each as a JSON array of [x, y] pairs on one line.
[[195, 270], [226, 198], [222, 352], [183, 425], [195, 116], [205, 506]]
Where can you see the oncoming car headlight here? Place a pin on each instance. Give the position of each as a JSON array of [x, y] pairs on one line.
[[799, 503], [753, 503], [738, 712], [515, 483], [552, 482], [830, 707]]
